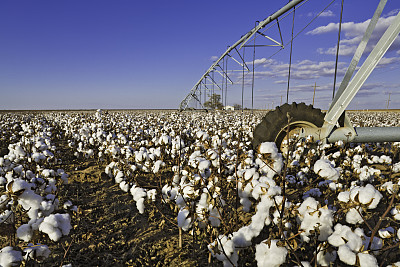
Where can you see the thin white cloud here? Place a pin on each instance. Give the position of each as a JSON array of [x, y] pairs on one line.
[[302, 70], [353, 33], [327, 13], [213, 58], [394, 12], [280, 82], [262, 61]]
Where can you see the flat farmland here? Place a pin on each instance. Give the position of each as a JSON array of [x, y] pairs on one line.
[[167, 188]]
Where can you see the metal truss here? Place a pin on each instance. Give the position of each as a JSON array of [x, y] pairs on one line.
[[242, 42]]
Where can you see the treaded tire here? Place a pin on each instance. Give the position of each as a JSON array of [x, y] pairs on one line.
[[275, 121]]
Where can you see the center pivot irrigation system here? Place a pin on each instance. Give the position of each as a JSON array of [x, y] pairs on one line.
[[300, 119]]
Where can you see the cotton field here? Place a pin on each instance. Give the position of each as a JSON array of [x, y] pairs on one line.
[[195, 177]]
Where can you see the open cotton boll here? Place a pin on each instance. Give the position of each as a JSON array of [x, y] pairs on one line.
[[386, 232], [10, 257], [140, 205], [268, 148], [270, 255], [353, 216], [312, 217], [346, 255], [157, 165], [325, 258], [250, 174], [343, 235], [184, 220], [25, 232], [151, 194], [344, 196], [367, 260], [19, 185], [119, 177], [214, 217], [138, 193], [366, 195], [124, 185], [325, 169], [226, 250], [38, 252], [30, 201], [204, 164], [56, 225], [269, 151]]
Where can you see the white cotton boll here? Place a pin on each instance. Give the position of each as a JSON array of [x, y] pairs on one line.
[[124, 185], [10, 257], [19, 185], [18, 169], [25, 232], [259, 189], [9, 177], [246, 204], [353, 216], [46, 173], [325, 169], [366, 195], [184, 220], [30, 202], [274, 191], [180, 201], [396, 213], [344, 196], [367, 260], [67, 204], [336, 238], [214, 217], [119, 177], [308, 204], [133, 168], [242, 238], [56, 225], [229, 251], [270, 256], [20, 151], [268, 148], [151, 194], [398, 234], [204, 164], [38, 252], [140, 205], [157, 165], [321, 219], [325, 259], [47, 207], [138, 193], [346, 255], [386, 232], [250, 173], [89, 153]]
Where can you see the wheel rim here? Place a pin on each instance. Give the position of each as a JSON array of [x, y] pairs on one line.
[[294, 129]]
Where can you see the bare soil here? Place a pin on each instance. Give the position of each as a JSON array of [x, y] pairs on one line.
[[109, 230]]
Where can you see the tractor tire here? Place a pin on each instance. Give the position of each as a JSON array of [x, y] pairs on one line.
[[272, 127]]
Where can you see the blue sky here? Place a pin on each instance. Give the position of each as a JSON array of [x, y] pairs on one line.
[[85, 54]]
